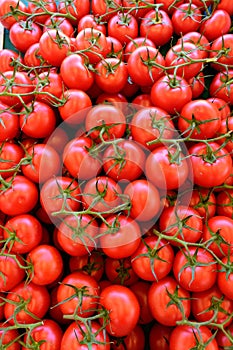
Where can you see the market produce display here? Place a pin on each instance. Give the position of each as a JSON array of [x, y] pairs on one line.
[[116, 175]]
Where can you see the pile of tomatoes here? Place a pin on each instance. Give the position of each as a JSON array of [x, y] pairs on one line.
[[116, 181]]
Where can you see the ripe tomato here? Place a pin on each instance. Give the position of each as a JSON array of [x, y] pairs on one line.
[[9, 123], [140, 289], [91, 264], [76, 234], [153, 259], [91, 21], [225, 277], [224, 203], [159, 337], [9, 337], [23, 233], [168, 5], [222, 106], [223, 339], [186, 18], [197, 39], [49, 87], [59, 22], [195, 269], [10, 157], [33, 299], [134, 340], [77, 9], [12, 270], [18, 195], [7, 19], [223, 43], [123, 26], [119, 271], [120, 301], [105, 9], [32, 58], [168, 302], [221, 86], [23, 34], [204, 202], [134, 44], [216, 25], [8, 60]]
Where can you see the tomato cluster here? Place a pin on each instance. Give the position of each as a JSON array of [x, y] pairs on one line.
[[116, 181]]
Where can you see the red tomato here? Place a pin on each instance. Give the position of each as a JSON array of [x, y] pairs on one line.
[[8, 60], [120, 301], [199, 119], [23, 233], [147, 72], [119, 271], [221, 86], [197, 85], [223, 339], [159, 337], [123, 26], [223, 43], [12, 270], [171, 88], [149, 125], [23, 34], [78, 294], [33, 299], [9, 337], [143, 100], [226, 5], [105, 9], [168, 5], [91, 264], [216, 25], [211, 165], [10, 157], [204, 202], [59, 22], [168, 302], [140, 289], [197, 39], [48, 335], [18, 195], [91, 21], [114, 48], [76, 10], [170, 173], [186, 18], [134, 340], [195, 269], [77, 337], [6, 8], [119, 236], [153, 259], [222, 106], [54, 46], [156, 26], [9, 123], [40, 274], [224, 203], [76, 234], [32, 58], [226, 128], [134, 44], [193, 338], [49, 87]]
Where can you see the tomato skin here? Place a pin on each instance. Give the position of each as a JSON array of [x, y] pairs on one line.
[[222, 106], [119, 271], [85, 307], [145, 75], [38, 302], [184, 23], [7, 58], [192, 337], [226, 5], [28, 231], [90, 21], [11, 272], [203, 301], [168, 5], [221, 86], [197, 39], [91, 264], [134, 44], [162, 261], [222, 43], [41, 275], [10, 156], [50, 332], [169, 175], [76, 234], [101, 7], [74, 336], [204, 115], [217, 25], [40, 122], [197, 85], [123, 26], [222, 339], [224, 203], [207, 173], [159, 297], [159, 337], [134, 340], [120, 301], [77, 9], [5, 8], [219, 227], [140, 289], [156, 26], [24, 34], [204, 276], [8, 336], [20, 198], [204, 202], [61, 23], [176, 90], [9, 123], [49, 87], [54, 46]]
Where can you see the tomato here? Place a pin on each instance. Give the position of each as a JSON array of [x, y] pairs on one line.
[[10, 157], [32, 58], [120, 301], [159, 337], [48, 335], [134, 44], [195, 269], [156, 26], [91, 21], [223, 339], [179, 54], [226, 5], [58, 194], [77, 9], [168, 302], [40, 274], [26, 303], [12, 270], [224, 203], [181, 222], [9, 123], [194, 337], [197, 85], [199, 119], [106, 9], [76, 73], [107, 120], [9, 337], [223, 43], [8, 59], [116, 99], [218, 230], [153, 259], [151, 125], [134, 340], [18, 84], [204, 202], [186, 18], [76, 234], [34, 8], [168, 5], [211, 306], [18, 195], [23, 34], [221, 86], [149, 63], [197, 39], [114, 47], [57, 140], [61, 23], [171, 88], [73, 111], [222, 106], [5, 8], [171, 173], [23, 233], [211, 165], [49, 87], [78, 294], [143, 100], [81, 336], [123, 26], [144, 199], [93, 43], [226, 127], [119, 271], [140, 289], [216, 25], [91, 264], [111, 75]]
